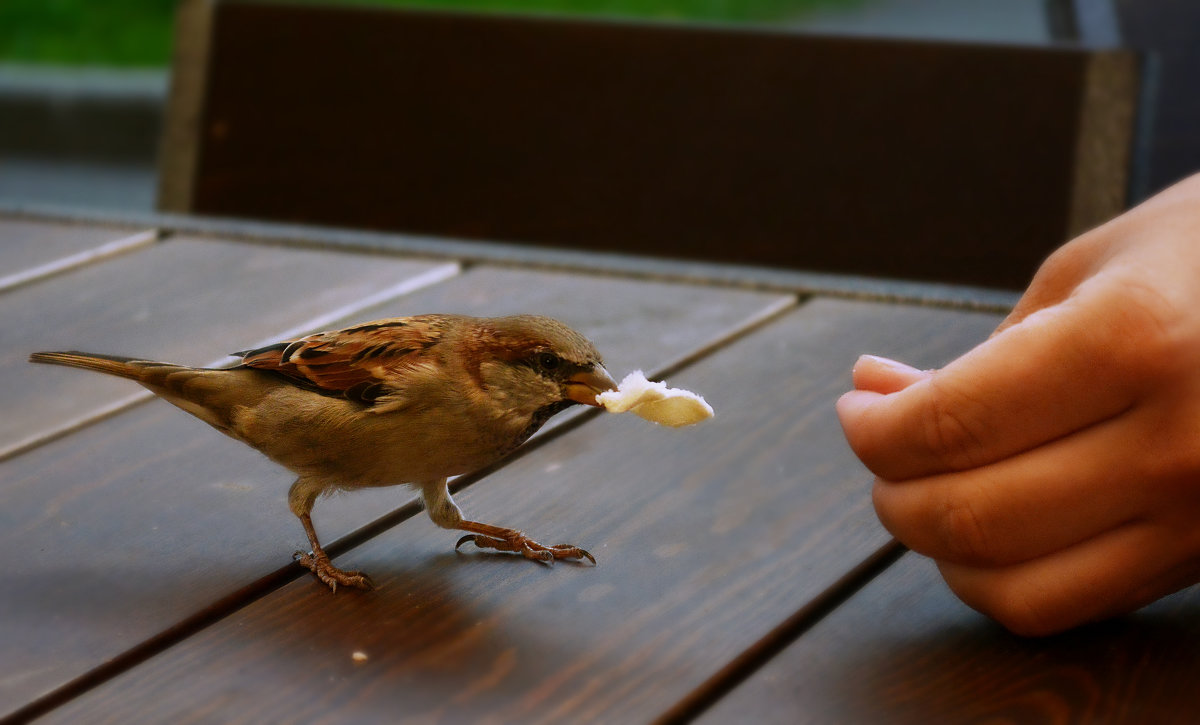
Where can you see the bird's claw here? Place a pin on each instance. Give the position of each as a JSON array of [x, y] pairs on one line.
[[527, 547], [323, 569]]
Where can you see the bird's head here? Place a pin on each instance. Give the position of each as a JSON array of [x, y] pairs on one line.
[[537, 365]]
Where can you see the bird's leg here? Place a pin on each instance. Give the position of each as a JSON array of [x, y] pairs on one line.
[[446, 514], [301, 498], [319, 564], [487, 536]]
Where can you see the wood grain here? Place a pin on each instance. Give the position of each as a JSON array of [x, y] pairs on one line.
[[186, 300], [705, 538], [904, 650], [122, 530], [733, 145]]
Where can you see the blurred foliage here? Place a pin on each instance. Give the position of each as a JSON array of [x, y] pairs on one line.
[[138, 32], [105, 32]]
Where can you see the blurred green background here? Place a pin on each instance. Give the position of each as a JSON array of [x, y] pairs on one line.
[[138, 32]]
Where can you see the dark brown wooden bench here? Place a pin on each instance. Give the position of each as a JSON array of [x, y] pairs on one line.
[[954, 162]]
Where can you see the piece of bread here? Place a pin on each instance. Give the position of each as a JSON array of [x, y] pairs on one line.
[[655, 402]]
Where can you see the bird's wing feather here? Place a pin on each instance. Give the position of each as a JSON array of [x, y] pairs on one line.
[[357, 362]]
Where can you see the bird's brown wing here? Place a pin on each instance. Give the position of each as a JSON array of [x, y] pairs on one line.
[[356, 362]]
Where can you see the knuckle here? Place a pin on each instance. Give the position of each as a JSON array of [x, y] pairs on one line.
[[965, 535], [948, 434], [1145, 334], [1068, 262]]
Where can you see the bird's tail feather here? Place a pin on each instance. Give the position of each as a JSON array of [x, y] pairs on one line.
[[124, 367], [202, 392], [163, 378]]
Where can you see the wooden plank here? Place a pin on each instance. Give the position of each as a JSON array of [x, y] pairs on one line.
[[62, 265], [904, 650], [27, 244], [733, 145], [705, 538], [187, 300], [123, 530]]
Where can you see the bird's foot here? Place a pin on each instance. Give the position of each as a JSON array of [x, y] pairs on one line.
[[511, 540], [323, 568]]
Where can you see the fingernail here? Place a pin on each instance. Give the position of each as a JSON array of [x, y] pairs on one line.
[[886, 362]]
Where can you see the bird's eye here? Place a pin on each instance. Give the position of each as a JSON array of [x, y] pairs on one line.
[[548, 361]]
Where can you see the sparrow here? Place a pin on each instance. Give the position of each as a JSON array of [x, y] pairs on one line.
[[406, 400]]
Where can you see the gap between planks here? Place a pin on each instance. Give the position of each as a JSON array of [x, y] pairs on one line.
[[741, 667], [124, 245], [228, 605]]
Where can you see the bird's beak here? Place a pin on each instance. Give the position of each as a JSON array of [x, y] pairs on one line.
[[585, 385]]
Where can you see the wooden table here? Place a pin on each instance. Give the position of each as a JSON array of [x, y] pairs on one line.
[[741, 576]]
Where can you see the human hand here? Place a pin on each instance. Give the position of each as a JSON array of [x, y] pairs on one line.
[[1053, 472]]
